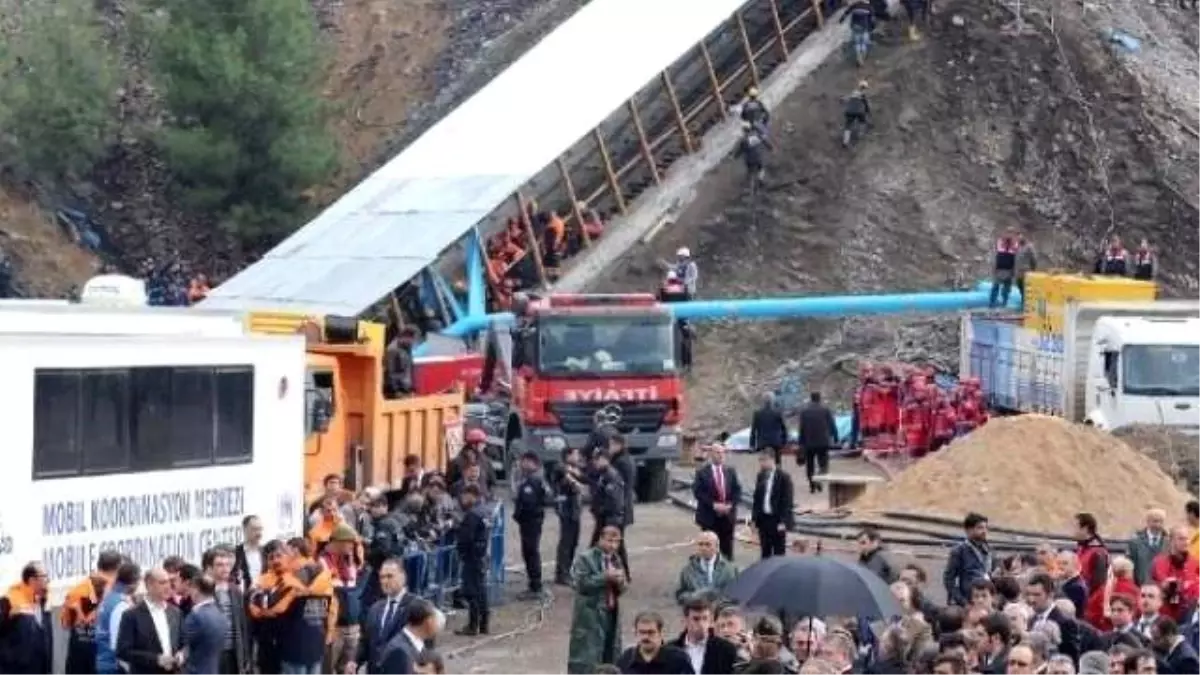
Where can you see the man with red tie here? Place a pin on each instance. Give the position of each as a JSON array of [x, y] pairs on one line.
[[718, 492]]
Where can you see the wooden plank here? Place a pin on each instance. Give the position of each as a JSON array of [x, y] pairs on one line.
[[747, 47], [816, 5], [714, 80], [575, 210], [783, 47]]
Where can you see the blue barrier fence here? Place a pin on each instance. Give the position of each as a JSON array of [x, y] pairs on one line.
[[436, 574]]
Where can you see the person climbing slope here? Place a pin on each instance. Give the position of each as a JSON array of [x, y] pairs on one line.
[[857, 112], [862, 23]]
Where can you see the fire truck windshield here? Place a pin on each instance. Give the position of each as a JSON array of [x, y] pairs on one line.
[[606, 345]]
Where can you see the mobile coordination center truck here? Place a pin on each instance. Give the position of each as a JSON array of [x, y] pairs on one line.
[[1096, 350], [153, 445]]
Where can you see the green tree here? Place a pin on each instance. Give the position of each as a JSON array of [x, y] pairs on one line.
[[58, 77], [246, 132]]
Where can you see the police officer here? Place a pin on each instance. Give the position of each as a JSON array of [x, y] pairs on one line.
[[608, 501], [569, 479], [471, 542], [529, 510]]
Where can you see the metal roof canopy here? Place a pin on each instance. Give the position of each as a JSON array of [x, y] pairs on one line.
[[402, 217]]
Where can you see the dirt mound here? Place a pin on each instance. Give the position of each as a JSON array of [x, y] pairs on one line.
[[1176, 453], [1033, 473]]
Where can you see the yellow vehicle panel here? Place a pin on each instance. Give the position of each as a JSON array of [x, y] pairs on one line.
[[1048, 294]]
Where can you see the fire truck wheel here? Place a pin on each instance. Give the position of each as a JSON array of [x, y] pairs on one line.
[[653, 481]]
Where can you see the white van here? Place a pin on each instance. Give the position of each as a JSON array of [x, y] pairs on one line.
[[151, 445]]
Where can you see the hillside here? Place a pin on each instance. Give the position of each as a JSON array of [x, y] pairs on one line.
[[394, 68], [976, 129]]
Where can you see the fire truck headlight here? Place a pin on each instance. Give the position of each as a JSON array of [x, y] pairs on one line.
[[668, 440], [554, 443]]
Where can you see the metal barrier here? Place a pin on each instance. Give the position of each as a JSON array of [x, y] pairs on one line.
[[436, 574]]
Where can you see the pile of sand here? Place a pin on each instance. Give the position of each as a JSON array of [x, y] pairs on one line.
[[1033, 473], [1177, 454]]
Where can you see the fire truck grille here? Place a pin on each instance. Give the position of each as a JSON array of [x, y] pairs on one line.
[[581, 417]]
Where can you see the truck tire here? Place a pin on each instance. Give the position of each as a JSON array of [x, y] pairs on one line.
[[653, 481]]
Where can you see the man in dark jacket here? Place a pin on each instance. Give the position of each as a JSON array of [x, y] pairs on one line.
[[871, 555], [716, 656], [621, 461], [969, 560], [471, 542], [529, 512], [25, 631], [767, 428], [569, 481], [398, 364], [608, 502], [818, 433]]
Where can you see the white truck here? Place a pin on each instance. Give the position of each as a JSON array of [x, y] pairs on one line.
[[1114, 364], [151, 445]]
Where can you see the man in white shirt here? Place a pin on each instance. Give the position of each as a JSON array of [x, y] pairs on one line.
[[148, 637], [707, 652]]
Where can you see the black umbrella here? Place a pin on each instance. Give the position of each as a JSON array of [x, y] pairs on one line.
[[814, 586]]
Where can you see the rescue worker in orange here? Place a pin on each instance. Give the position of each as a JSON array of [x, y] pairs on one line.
[[554, 241], [329, 517], [25, 632], [1145, 263], [294, 607], [1114, 260], [79, 612]]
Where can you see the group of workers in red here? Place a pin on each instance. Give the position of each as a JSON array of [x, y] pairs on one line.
[[510, 268], [900, 409], [1116, 260]]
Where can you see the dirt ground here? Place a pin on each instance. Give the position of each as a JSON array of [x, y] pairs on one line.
[[47, 263], [975, 130], [524, 641]]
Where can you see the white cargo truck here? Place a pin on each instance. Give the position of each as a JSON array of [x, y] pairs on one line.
[[152, 445], [1114, 364]]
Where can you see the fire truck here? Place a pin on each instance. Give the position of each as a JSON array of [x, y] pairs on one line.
[[579, 362]]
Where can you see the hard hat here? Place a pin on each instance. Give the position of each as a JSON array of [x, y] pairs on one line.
[[477, 435], [862, 84], [746, 125], [752, 92], [672, 275], [684, 252]]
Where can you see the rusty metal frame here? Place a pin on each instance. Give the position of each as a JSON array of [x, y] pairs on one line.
[[647, 152], [741, 26], [684, 134], [613, 181], [534, 247], [574, 197], [783, 46]]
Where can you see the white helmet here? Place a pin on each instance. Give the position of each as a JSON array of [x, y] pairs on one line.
[[672, 275], [684, 252]]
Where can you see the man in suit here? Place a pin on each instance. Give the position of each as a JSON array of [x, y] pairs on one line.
[[1176, 654], [248, 560], [709, 654], [237, 649], [204, 631], [818, 433], [717, 493], [767, 428], [1147, 543], [149, 640], [621, 460], [1039, 594], [384, 619], [420, 627], [774, 505]]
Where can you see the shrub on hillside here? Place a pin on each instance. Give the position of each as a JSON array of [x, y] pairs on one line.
[[246, 132], [58, 77]]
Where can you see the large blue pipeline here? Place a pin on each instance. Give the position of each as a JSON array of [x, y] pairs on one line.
[[829, 306]]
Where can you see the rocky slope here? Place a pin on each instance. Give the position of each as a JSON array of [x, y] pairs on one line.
[[976, 129], [396, 68]]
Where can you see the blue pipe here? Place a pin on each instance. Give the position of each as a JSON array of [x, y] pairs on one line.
[[476, 288], [456, 308], [780, 308]]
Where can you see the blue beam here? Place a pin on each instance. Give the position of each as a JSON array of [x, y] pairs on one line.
[[452, 303], [828, 306], [476, 287]]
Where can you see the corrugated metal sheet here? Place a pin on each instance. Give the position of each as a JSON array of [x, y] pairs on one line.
[[403, 216]]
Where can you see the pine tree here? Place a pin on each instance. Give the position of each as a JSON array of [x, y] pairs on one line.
[[246, 132], [57, 82]]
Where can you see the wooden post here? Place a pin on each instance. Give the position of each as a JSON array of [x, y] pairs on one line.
[[534, 248], [679, 121], [783, 47], [570, 185], [714, 80], [647, 153], [816, 5], [746, 47], [397, 313], [612, 175]]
